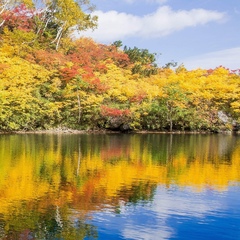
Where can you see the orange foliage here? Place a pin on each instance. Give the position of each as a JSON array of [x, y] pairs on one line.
[[49, 60], [69, 73]]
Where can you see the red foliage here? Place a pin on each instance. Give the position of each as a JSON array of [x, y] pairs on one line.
[[138, 98], [120, 58], [210, 71], [88, 75], [114, 112], [101, 68], [19, 18], [100, 87], [68, 74], [236, 71], [94, 81], [88, 53]]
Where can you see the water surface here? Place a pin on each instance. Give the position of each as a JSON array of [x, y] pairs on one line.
[[114, 186]]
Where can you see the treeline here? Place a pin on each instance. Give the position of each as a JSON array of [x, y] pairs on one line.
[[48, 80]]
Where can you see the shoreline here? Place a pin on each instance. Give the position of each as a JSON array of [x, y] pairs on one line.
[[104, 131]]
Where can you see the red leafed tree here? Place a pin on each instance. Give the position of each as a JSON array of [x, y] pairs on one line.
[[68, 73], [138, 98], [19, 18], [99, 86], [115, 119], [114, 112], [89, 53]]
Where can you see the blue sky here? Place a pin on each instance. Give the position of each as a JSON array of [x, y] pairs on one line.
[[196, 33]]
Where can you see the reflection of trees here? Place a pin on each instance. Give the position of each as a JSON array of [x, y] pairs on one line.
[[139, 192], [52, 182], [30, 221]]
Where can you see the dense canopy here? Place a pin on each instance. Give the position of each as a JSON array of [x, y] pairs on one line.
[[48, 80]]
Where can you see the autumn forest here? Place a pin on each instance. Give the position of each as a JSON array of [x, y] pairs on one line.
[[49, 79]]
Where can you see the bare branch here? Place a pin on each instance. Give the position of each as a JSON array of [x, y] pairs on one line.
[[2, 23], [4, 5]]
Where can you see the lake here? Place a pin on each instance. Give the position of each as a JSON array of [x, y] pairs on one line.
[[119, 186]]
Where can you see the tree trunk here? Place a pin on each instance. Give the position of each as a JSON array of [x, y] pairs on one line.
[[171, 124], [79, 108]]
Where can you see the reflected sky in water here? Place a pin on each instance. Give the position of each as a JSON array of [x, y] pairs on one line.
[[175, 214], [114, 186]]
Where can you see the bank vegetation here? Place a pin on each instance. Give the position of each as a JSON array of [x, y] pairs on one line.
[[50, 80]]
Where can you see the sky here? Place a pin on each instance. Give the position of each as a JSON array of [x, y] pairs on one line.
[[194, 33]]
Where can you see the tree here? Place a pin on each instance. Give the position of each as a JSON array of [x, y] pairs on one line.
[[143, 61], [55, 19], [176, 103], [66, 16], [117, 44], [171, 64]]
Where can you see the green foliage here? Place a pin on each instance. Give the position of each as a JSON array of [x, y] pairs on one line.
[[143, 61]]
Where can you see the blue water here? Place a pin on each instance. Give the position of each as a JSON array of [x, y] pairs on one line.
[[110, 187], [175, 214]]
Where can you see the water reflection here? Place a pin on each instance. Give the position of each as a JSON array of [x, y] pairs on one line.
[[113, 186]]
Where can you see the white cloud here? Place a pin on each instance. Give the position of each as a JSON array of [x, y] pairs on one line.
[[147, 233], [228, 58], [113, 25], [129, 1], [158, 1], [148, 1], [167, 205], [155, 1]]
